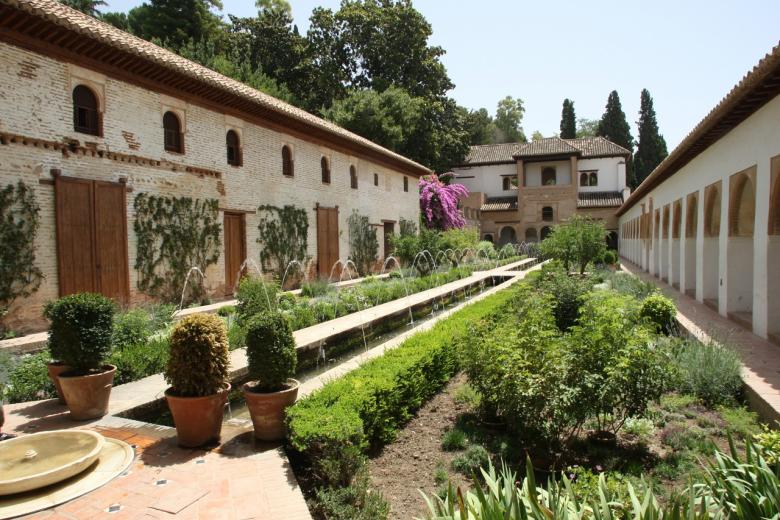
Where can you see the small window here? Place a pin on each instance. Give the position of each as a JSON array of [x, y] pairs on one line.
[[353, 179], [548, 176], [376, 179], [506, 183], [233, 148], [86, 117], [547, 214], [583, 179], [406, 184], [594, 179], [172, 131], [287, 162], [325, 170]]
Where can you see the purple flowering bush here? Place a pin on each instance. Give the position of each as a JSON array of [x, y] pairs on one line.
[[439, 203]]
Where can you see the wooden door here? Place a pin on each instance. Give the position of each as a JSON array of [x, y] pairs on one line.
[[327, 239], [111, 241], [389, 229], [235, 249], [91, 225]]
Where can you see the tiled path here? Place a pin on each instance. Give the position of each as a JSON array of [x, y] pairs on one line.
[[761, 359], [240, 479]]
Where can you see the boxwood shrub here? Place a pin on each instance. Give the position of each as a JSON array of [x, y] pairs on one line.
[[365, 408]]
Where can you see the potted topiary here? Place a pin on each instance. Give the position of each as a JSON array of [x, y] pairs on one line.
[[271, 358], [197, 371], [80, 336]]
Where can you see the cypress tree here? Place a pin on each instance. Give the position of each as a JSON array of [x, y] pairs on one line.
[[651, 148], [613, 126], [568, 120]]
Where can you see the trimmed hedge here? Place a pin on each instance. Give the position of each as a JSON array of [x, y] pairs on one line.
[[365, 408]]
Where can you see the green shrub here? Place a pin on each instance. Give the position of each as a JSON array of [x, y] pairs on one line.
[[661, 311], [354, 502], [199, 357], [640, 427], [28, 379], [566, 292], [255, 295], [472, 460], [367, 406], [769, 441], [485, 249], [316, 288], [627, 283], [132, 327], [709, 371], [270, 351], [81, 329], [139, 360], [740, 421], [454, 440], [610, 257], [614, 366], [466, 394], [226, 311]]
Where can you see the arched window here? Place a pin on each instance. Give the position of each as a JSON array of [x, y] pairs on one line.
[[172, 133], [583, 179], [712, 210], [548, 176], [594, 179], [233, 148], [325, 170], [488, 238], [692, 216], [545, 232], [287, 162], [530, 235], [507, 236], [353, 180], [406, 184], [506, 183], [86, 116], [742, 207], [376, 179], [547, 214]]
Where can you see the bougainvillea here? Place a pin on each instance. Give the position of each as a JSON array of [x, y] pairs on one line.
[[439, 203]]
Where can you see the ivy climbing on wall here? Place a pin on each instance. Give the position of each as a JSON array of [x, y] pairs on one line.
[[175, 234], [363, 243], [19, 276], [283, 237]]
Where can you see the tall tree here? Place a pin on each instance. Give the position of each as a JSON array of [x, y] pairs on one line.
[[613, 126], [176, 22], [509, 120], [479, 126], [651, 147], [568, 120], [89, 7]]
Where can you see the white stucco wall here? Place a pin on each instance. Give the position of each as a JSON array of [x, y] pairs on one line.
[[533, 172], [611, 173], [722, 270], [40, 107], [487, 179]]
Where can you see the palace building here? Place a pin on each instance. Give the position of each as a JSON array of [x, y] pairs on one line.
[[707, 219], [92, 117]]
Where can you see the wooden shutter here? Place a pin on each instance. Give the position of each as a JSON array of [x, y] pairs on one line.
[[76, 263], [235, 249], [111, 240]]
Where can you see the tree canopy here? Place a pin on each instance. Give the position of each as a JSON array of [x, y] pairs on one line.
[[568, 120], [613, 126], [651, 147]]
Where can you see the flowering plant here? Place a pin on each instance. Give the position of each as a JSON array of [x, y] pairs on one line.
[[439, 202]]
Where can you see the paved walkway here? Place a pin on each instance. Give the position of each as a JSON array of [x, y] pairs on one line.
[[760, 358]]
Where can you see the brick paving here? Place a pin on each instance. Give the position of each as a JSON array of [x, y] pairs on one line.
[[760, 358]]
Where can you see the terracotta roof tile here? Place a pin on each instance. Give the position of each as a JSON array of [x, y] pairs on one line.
[[93, 29], [583, 147], [499, 204], [599, 199]]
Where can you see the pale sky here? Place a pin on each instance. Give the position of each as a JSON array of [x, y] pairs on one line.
[[689, 54]]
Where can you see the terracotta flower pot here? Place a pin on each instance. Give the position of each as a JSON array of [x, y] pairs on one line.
[[198, 420], [55, 369], [267, 409], [87, 395]]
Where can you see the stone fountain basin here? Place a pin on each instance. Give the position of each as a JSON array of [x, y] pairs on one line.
[[41, 459]]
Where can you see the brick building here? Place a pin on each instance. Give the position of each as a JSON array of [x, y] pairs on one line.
[[91, 117], [522, 189]]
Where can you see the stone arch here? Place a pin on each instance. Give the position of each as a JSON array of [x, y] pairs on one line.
[[507, 236], [488, 237], [692, 215], [742, 204], [712, 210], [545, 231], [531, 235]]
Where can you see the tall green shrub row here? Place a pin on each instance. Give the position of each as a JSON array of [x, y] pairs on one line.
[[366, 407]]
